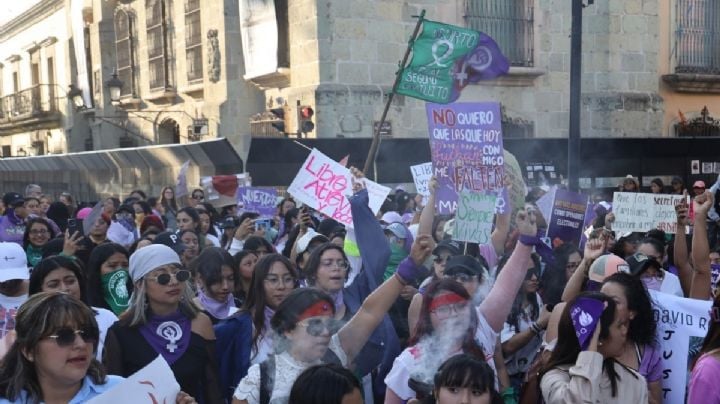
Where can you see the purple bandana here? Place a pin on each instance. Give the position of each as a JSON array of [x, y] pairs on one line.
[[714, 275], [585, 314], [168, 335], [338, 299], [216, 309], [269, 313]]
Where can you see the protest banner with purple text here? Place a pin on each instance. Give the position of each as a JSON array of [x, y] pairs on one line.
[[260, 200], [467, 151], [567, 217]]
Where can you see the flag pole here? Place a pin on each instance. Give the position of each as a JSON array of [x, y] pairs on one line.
[[372, 154]]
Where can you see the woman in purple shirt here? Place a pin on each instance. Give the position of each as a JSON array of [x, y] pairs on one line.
[[706, 370]]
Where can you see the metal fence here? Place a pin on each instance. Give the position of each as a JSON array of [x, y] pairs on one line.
[[509, 23], [697, 36]]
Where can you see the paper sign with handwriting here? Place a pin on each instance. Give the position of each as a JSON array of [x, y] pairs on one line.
[[260, 200], [421, 176], [467, 152], [155, 383], [474, 219], [637, 212], [325, 185]]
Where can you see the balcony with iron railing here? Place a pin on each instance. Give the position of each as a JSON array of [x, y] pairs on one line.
[[29, 109]]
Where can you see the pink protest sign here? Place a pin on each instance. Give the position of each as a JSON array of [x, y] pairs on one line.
[[325, 185]]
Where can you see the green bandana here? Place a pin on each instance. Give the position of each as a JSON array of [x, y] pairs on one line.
[[34, 255], [115, 291], [397, 254]]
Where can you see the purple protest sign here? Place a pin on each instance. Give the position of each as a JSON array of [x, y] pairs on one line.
[[260, 200], [567, 217], [467, 151], [585, 314]]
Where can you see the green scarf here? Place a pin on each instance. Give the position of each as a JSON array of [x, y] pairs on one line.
[[114, 286], [34, 255], [397, 254]]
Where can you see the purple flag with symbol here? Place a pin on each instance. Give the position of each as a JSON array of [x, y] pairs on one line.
[[585, 315], [485, 62]]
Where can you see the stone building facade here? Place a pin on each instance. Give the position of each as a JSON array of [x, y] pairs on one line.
[[344, 55]]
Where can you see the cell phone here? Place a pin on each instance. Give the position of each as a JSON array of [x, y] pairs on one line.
[[75, 225], [262, 224]]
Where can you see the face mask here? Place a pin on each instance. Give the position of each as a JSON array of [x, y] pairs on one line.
[[651, 282], [115, 291]]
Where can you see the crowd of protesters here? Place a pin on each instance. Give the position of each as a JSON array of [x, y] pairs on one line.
[[306, 310]]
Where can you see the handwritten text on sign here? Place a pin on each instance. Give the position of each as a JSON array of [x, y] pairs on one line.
[[155, 383], [681, 326], [421, 176], [467, 151], [325, 185], [260, 200], [474, 218], [643, 212]]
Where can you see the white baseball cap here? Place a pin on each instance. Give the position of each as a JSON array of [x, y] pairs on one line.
[[13, 262], [304, 242]]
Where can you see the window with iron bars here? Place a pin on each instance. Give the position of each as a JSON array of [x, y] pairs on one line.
[[697, 37], [157, 21], [125, 51], [193, 41], [509, 23]]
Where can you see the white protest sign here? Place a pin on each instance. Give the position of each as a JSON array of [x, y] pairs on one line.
[[474, 219], [638, 212], [155, 383], [682, 325], [325, 185], [421, 176]]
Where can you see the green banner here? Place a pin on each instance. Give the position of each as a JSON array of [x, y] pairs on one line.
[[429, 74]]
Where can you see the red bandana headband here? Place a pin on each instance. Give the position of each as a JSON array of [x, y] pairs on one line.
[[319, 308], [446, 299]]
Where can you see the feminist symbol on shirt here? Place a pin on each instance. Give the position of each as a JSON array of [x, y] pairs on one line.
[[172, 332]]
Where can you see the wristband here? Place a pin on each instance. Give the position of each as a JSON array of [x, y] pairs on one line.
[[407, 270], [529, 241]]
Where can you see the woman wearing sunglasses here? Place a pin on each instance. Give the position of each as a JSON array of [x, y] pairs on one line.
[[161, 319], [62, 274], [246, 338], [450, 322], [53, 356]]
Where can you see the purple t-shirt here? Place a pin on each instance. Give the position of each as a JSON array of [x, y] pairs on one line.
[[704, 380], [651, 364]]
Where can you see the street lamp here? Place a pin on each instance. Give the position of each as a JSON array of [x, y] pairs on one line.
[[115, 86], [76, 96]]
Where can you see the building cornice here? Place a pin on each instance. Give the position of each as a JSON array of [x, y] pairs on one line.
[[39, 11]]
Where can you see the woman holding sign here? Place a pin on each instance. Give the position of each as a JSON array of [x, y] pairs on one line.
[[161, 319], [582, 368]]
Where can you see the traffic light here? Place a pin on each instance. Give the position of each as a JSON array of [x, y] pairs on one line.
[[305, 114], [280, 117]]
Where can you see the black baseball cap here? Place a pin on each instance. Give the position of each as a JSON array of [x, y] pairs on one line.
[[171, 240], [454, 247], [12, 199], [464, 264], [639, 262]]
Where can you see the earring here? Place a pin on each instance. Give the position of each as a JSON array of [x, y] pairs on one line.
[[599, 343]]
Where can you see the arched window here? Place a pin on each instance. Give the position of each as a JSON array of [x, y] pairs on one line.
[[157, 21], [193, 41], [125, 51]]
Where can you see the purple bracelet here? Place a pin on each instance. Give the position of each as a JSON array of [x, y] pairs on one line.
[[529, 241]]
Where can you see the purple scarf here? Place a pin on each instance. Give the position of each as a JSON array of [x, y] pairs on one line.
[[269, 313], [216, 309], [168, 335], [338, 299]]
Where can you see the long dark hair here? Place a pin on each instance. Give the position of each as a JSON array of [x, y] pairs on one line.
[[209, 263], [424, 325], [49, 264], [465, 371], [517, 307], [568, 347], [28, 226], [712, 338], [168, 203], [256, 300], [99, 255], [642, 328], [554, 279], [323, 384], [193, 213]]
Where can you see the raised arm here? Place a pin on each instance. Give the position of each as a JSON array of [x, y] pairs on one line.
[[700, 287], [496, 306], [428, 213], [356, 332], [593, 249], [680, 251], [500, 233]]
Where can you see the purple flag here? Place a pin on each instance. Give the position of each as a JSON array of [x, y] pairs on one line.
[[485, 62], [585, 314]]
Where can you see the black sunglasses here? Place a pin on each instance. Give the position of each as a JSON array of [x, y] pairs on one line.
[[180, 276], [65, 336], [316, 326]]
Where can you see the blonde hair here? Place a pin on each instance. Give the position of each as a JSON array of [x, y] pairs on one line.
[[138, 307]]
